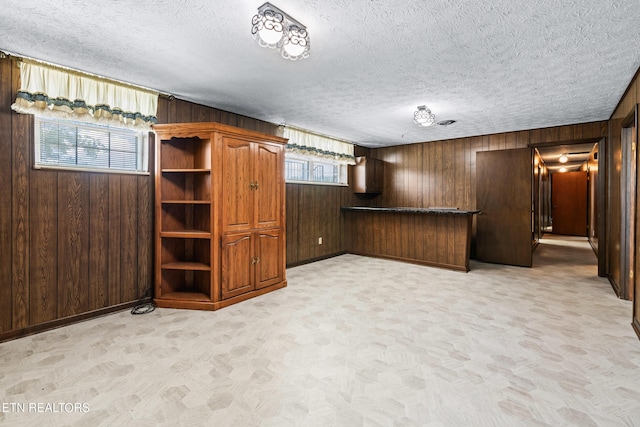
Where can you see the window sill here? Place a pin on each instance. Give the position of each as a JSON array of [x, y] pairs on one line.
[[329, 184], [90, 170]]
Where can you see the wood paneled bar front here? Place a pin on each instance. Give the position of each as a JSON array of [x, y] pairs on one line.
[[433, 237]]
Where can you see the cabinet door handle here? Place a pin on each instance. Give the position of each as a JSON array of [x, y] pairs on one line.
[[255, 260], [256, 185], [252, 185]]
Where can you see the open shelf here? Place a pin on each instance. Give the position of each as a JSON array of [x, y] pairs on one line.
[[187, 234], [185, 254], [186, 296], [186, 266], [185, 216], [184, 185], [186, 202], [191, 284], [185, 170], [185, 154]]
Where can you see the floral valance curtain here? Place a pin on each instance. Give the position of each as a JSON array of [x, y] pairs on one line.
[[307, 144], [48, 90]]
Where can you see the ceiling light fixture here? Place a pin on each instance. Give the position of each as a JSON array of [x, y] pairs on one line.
[[562, 169], [424, 117], [276, 30], [563, 159]]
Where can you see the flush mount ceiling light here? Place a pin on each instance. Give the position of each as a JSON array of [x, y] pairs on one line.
[[276, 30], [424, 117], [563, 159], [562, 169]]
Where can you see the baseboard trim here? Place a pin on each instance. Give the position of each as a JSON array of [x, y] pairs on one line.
[[614, 285], [415, 261], [636, 327], [57, 323], [320, 258]]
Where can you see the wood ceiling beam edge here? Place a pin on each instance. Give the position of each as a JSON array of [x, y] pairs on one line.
[[565, 142]]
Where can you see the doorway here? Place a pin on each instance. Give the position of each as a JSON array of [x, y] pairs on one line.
[[587, 156]]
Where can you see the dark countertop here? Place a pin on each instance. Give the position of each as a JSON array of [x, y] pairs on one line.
[[447, 211]]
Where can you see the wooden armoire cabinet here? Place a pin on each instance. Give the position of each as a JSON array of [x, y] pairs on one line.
[[220, 212]]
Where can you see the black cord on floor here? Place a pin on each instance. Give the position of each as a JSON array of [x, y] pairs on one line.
[[144, 307]]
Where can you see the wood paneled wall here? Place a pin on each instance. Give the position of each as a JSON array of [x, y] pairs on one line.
[[313, 211], [434, 239], [614, 202], [591, 168], [541, 197], [179, 111], [6, 198], [73, 244], [442, 173], [616, 198]]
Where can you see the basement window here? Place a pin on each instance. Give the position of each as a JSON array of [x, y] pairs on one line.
[[305, 171], [312, 158], [66, 144]]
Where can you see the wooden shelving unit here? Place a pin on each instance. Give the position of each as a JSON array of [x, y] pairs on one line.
[[213, 182], [184, 220]]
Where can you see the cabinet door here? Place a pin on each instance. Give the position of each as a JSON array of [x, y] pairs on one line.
[[268, 193], [367, 176], [269, 255], [237, 266], [238, 184], [378, 176]]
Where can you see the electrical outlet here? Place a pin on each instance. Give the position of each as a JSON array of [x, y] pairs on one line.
[[319, 240]]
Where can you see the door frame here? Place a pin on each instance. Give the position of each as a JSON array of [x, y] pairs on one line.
[[601, 208], [629, 152], [602, 194]]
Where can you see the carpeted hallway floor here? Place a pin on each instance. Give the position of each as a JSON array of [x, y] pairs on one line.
[[352, 341]]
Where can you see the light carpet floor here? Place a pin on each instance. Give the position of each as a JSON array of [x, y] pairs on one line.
[[353, 341]]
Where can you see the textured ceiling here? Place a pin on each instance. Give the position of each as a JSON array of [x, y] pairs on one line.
[[494, 65]]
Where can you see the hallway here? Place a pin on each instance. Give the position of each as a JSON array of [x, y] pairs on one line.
[[559, 250]]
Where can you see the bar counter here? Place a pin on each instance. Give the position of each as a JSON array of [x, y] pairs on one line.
[[438, 237]]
